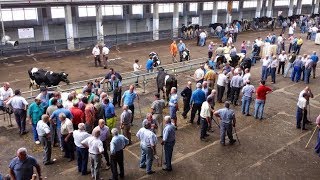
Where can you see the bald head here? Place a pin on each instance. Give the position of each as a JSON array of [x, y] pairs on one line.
[[96, 132], [45, 118], [81, 126], [125, 107], [101, 123], [167, 119]]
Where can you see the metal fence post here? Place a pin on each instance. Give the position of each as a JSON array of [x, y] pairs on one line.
[[144, 83], [29, 49]]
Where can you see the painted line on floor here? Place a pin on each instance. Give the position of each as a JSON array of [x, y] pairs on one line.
[[132, 153]]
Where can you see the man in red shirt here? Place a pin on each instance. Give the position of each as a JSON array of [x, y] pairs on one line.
[[261, 95], [78, 115]]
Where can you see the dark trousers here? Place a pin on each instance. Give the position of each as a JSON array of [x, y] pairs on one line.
[[314, 68], [116, 97], [235, 91], [20, 116], [210, 54], [307, 76], [301, 115], [281, 66], [82, 159], [117, 159], [46, 143], [186, 107], [68, 147], [273, 74], [97, 60], [235, 35], [168, 149], [303, 73], [298, 47], [220, 93], [204, 127], [317, 147], [296, 74], [131, 107], [228, 90], [195, 108], [105, 152], [225, 128], [181, 55], [290, 47]]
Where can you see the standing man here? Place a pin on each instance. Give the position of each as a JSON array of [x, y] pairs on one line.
[[35, 112], [82, 152], [128, 98], [96, 55], [236, 85], [44, 134], [266, 62], [186, 95], [78, 115], [210, 50], [297, 67], [116, 87], [181, 48], [136, 71], [148, 141], [317, 147], [221, 85], [168, 141], [205, 115], [282, 61], [301, 111], [315, 60], [125, 122], [173, 105], [153, 122], [105, 53], [67, 137], [149, 65], [197, 98], [261, 95], [109, 113], [299, 44], [104, 136], [157, 110], [5, 94], [199, 74], [210, 77], [174, 51], [21, 167], [228, 120], [117, 144], [89, 113], [308, 69], [306, 90], [247, 92], [96, 150], [273, 68], [290, 64], [19, 105]]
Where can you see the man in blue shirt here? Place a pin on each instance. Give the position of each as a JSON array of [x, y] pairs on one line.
[[168, 141], [315, 60], [21, 167], [224, 40], [181, 48], [197, 98], [35, 111], [149, 65], [128, 98], [117, 144], [297, 67], [109, 113]]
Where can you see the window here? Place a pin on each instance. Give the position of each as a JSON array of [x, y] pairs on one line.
[[167, 8], [193, 7], [309, 2], [281, 2], [207, 6], [137, 9], [85, 11], [112, 10], [235, 5], [250, 4], [57, 12], [19, 14], [222, 5]]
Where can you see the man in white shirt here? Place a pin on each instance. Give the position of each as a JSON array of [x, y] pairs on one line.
[[104, 137], [82, 152], [5, 94], [105, 53], [301, 114], [136, 70], [205, 116], [96, 150], [96, 55], [266, 62], [247, 76], [221, 85], [199, 74], [203, 37], [282, 61], [291, 31], [44, 134], [66, 136]]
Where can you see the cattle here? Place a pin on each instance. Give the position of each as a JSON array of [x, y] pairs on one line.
[[245, 63], [41, 77], [165, 82], [215, 25], [156, 60]]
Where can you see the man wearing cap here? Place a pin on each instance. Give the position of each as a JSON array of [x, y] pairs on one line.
[[156, 110], [43, 131], [199, 74], [82, 152], [205, 115], [197, 98], [35, 112], [247, 91], [19, 105]]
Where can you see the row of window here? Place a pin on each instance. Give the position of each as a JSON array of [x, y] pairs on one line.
[[18, 14]]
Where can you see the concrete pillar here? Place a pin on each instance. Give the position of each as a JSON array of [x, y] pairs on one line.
[[126, 13], [263, 8], [240, 8], [200, 10], [185, 14], [316, 7], [299, 6], [69, 27], [214, 17], [99, 25], [155, 21], [44, 13], [290, 12], [270, 8], [258, 9], [148, 24], [75, 21], [175, 20]]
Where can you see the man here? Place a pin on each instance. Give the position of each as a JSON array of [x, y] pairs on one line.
[[109, 113], [89, 95], [67, 137], [236, 85], [82, 152], [173, 51], [109, 74], [116, 87], [266, 63], [301, 111], [181, 48], [5, 94], [44, 97], [153, 122], [197, 98], [136, 71], [247, 92], [297, 67], [99, 110], [117, 144], [128, 98], [96, 150], [105, 53], [306, 90], [78, 115], [19, 105], [308, 68], [199, 74], [157, 107], [205, 88], [315, 60], [210, 77], [299, 44], [104, 137], [43, 131], [205, 115], [210, 50], [21, 167], [273, 68], [89, 114], [168, 141], [186, 95], [35, 112], [228, 120], [173, 105], [282, 61], [317, 147], [148, 141], [69, 102], [290, 66], [125, 122], [88, 86], [221, 85], [149, 65], [247, 75], [202, 39], [261, 95], [96, 55]]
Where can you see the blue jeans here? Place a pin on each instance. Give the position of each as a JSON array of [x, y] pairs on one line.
[[273, 74], [296, 74], [35, 133], [245, 107], [301, 115], [258, 108], [307, 73], [146, 158], [204, 127], [264, 73], [168, 148], [202, 40], [225, 127], [288, 68], [317, 147], [82, 155]]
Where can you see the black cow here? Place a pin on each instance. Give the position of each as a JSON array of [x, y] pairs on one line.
[[246, 63], [165, 82], [41, 77], [215, 25]]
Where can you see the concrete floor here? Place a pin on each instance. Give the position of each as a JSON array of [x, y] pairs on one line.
[[270, 149]]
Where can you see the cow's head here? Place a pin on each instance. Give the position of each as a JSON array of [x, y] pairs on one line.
[[160, 68], [64, 77]]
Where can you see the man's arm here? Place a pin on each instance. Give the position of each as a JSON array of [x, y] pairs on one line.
[[12, 175], [38, 170]]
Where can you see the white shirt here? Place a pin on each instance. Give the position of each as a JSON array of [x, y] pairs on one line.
[[42, 128], [274, 63], [302, 103], [79, 136], [291, 29], [5, 94], [105, 51], [283, 57], [266, 62], [218, 28], [205, 110], [136, 67], [66, 127], [259, 42], [246, 77], [203, 35], [230, 40], [222, 80], [18, 102], [147, 137], [95, 145], [314, 29], [67, 104], [199, 74], [280, 39], [96, 51]]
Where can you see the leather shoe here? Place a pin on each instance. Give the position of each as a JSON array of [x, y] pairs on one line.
[[232, 141], [166, 169], [151, 172], [48, 163]]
